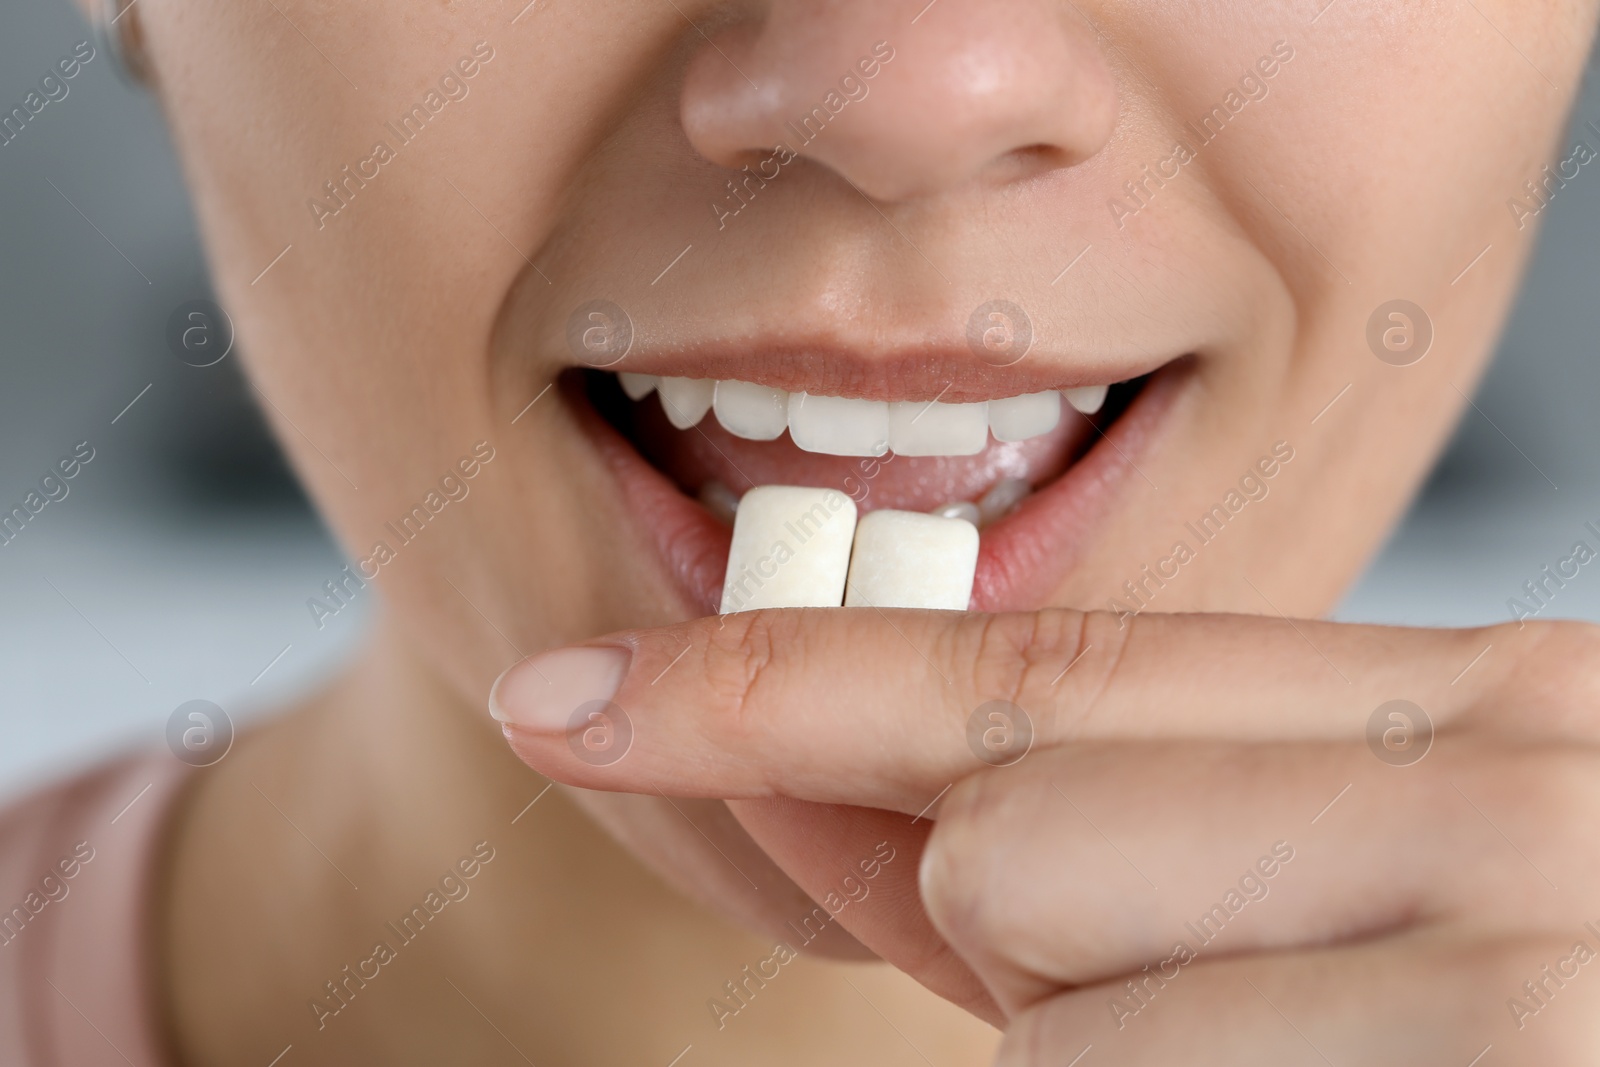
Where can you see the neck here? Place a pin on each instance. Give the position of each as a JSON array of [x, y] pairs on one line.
[[364, 879]]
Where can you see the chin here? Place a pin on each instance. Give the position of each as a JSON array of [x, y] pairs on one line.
[[698, 849]]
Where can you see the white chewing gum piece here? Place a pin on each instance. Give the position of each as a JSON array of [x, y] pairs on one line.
[[924, 428], [791, 549], [905, 559]]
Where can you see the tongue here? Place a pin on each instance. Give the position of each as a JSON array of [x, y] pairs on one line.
[[708, 453]]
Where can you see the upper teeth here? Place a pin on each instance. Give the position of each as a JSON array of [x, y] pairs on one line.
[[752, 411], [637, 386], [935, 429], [1088, 398], [1018, 418], [686, 400], [841, 426]]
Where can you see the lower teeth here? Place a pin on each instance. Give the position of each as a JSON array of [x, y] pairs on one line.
[[721, 501], [1002, 499], [960, 509]]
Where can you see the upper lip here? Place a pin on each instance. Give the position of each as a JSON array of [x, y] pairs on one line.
[[948, 373]]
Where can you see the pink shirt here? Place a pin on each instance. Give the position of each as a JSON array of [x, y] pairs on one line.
[[77, 866]]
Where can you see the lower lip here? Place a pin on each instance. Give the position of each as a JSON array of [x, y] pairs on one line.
[[1022, 558]]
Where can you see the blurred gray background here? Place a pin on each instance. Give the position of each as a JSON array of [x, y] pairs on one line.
[[179, 563]]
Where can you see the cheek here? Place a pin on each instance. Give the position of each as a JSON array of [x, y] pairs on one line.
[[392, 333]]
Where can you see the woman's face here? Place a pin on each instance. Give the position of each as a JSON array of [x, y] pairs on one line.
[[430, 220]]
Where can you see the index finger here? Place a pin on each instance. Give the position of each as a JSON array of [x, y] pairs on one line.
[[886, 708]]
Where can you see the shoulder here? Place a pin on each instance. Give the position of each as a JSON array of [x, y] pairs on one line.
[[77, 872]]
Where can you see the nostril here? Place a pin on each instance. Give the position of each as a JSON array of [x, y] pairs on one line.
[[1031, 161], [749, 157], [1036, 154]]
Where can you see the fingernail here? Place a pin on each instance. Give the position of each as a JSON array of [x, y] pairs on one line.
[[542, 693]]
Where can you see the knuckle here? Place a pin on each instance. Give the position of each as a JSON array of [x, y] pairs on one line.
[[1551, 644], [737, 665], [1558, 790], [985, 834], [953, 871], [1556, 660], [1016, 656], [1574, 778], [1544, 795], [1110, 637]]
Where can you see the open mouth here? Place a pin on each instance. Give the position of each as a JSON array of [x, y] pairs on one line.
[[1021, 473]]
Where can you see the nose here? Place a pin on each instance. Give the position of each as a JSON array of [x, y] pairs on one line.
[[904, 101]]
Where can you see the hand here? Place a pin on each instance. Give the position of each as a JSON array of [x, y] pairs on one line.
[[1217, 850]]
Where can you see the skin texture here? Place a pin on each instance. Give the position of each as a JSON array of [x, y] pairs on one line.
[[1299, 877], [429, 312]]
